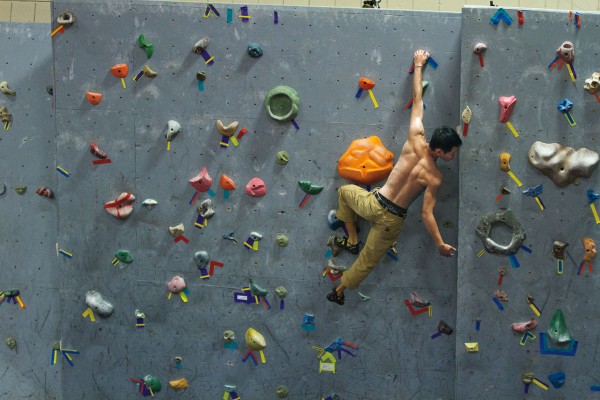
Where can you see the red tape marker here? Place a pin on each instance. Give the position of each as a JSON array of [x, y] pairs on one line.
[[105, 161]]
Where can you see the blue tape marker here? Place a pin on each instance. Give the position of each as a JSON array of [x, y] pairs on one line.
[[328, 254], [275, 17], [358, 93], [392, 256], [500, 306], [436, 335], [526, 388], [226, 195], [211, 193], [229, 15], [231, 346], [595, 388], [201, 86], [432, 62], [214, 10], [513, 261], [527, 249], [293, 121], [477, 325]]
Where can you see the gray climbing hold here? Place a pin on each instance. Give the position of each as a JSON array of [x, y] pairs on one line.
[[228, 336], [201, 258], [96, 302]]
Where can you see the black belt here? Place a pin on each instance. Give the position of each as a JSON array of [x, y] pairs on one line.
[[390, 206]]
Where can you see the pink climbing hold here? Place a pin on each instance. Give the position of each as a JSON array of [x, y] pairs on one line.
[[121, 207], [507, 103], [522, 327], [202, 182], [177, 284], [256, 187]]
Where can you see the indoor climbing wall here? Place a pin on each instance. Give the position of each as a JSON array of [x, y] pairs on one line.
[[31, 317], [520, 61], [383, 350]]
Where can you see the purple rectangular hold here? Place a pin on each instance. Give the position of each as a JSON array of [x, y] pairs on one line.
[[243, 298], [244, 12]]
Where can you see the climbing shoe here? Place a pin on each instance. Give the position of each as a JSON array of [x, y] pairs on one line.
[[342, 243], [334, 298]]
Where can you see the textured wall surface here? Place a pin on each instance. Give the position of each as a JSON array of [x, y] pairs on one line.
[[516, 63], [321, 53], [29, 222]]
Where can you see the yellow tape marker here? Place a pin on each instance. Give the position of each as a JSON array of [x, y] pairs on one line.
[[244, 16], [429, 311], [573, 79], [514, 178], [169, 296], [512, 129], [21, 304], [536, 381], [226, 396], [58, 29], [537, 200], [262, 357], [123, 83], [481, 252], [593, 207], [89, 313], [183, 297], [372, 96], [235, 141], [209, 60], [55, 353], [168, 145], [255, 245], [535, 309]]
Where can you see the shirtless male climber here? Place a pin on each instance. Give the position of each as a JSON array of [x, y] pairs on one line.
[[416, 171]]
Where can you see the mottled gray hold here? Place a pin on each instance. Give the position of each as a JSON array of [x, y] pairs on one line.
[[202, 259], [281, 292], [96, 302], [282, 157], [501, 216], [282, 392], [173, 129], [282, 240], [201, 45], [228, 336], [11, 342], [255, 50], [66, 18], [562, 164], [205, 208], [201, 75]]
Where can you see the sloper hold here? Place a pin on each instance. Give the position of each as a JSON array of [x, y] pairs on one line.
[[96, 302], [177, 284], [507, 104], [93, 98], [202, 182], [202, 259], [563, 165], [558, 330], [256, 187], [226, 182], [366, 84], [501, 216], [257, 290], [120, 70], [366, 161], [308, 187], [255, 340]]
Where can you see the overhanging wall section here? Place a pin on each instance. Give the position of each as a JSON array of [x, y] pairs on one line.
[[516, 64], [321, 53]]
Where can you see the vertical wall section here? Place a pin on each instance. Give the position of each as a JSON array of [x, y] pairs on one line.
[[516, 64], [321, 53]]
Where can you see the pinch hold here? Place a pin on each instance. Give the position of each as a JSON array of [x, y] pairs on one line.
[[121, 207], [6, 90], [177, 230], [96, 302], [227, 130], [522, 327]]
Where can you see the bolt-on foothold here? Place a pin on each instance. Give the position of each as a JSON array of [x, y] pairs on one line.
[[50, 90], [444, 328], [566, 52], [179, 384], [335, 268], [2, 189], [177, 230], [147, 46], [256, 187], [149, 72], [466, 115], [149, 203], [153, 383], [177, 284], [201, 258], [281, 240], [255, 50], [501, 271], [98, 304], [173, 129], [228, 130], [120, 70], [124, 256], [507, 104], [504, 189], [5, 116], [45, 191], [505, 162], [591, 250], [256, 236], [6, 90], [93, 98], [309, 188], [228, 336], [592, 84], [66, 18], [557, 379], [201, 45], [255, 289], [366, 84], [205, 208], [558, 249], [282, 157], [226, 182], [527, 377], [479, 48], [255, 340], [20, 190], [282, 392], [281, 291], [501, 295], [202, 182], [11, 342], [201, 76], [522, 327], [139, 314], [418, 301], [97, 151]]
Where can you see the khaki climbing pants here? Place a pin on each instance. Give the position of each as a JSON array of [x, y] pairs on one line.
[[385, 228]]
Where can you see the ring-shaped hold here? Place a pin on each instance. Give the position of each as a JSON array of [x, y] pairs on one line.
[[506, 217]]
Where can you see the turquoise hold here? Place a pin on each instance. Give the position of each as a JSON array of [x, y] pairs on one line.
[[254, 50]]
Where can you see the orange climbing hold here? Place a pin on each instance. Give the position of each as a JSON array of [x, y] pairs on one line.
[[120, 70], [366, 161], [226, 182], [366, 84], [94, 98]]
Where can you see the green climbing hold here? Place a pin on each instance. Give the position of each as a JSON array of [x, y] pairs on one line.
[[124, 256], [282, 157], [153, 383], [282, 392], [21, 189], [149, 47], [282, 240], [11, 342], [281, 292], [282, 103], [257, 290], [558, 330], [308, 188]]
